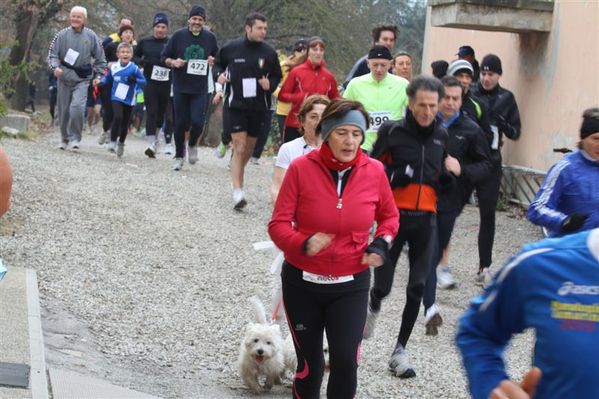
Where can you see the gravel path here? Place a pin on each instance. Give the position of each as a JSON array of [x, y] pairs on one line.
[[144, 273]]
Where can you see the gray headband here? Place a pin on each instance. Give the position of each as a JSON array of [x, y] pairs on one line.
[[353, 117]]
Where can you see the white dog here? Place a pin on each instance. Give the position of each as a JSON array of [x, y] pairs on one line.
[[264, 355]]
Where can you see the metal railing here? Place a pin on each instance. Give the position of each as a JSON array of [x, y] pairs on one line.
[[520, 185]]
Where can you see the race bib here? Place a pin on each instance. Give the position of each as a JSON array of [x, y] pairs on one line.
[[197, 67], [249, 87], [121, 91], [71, 57], [318, 279], [160, 73], [377, 119]]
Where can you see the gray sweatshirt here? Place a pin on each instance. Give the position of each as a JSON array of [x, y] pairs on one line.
[[86, 43]]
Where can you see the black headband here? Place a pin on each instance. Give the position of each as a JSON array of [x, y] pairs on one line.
[[589, 126]]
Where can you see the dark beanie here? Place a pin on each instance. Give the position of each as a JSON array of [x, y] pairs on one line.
[[160, 18], [379, 52], [439, 68], [197, 11], [590, 124], [491, 63]]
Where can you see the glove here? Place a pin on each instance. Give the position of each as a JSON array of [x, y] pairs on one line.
[[131, 80], [574, 222], [502, 124], [398, 176], [380, 247]]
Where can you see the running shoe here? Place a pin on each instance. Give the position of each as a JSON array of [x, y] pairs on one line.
[[151, 151], [255, 161], [168, 149], [103, 138], [445, 280], [238, 199], [178, 164], [220, 150], [432, 320], [111, 146], [120, 149], [484, 277], [371, 317], [399, 364], [75, 144], [192, 155], [63, 145]]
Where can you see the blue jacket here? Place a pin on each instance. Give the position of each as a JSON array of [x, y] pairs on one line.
[[571, 185], [119, 76], [552, 287]]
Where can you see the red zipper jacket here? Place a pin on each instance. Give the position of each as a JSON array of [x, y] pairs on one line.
[[303, 81], [308, 203]]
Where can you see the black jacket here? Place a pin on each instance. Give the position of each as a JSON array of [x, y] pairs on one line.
[[413, 156], [244, 59], [147, 54], [503, 114], [468, 144]]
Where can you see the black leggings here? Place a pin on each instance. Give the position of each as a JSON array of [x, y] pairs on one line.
[[120, 121], [169, 123], [445, 225], [488, 194], [190, 110], [106, 96], [419, 230], [156, 97], [340, 309]]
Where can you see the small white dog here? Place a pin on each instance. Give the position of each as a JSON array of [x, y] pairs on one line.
[[264, 355]]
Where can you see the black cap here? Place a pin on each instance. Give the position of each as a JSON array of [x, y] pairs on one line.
[[300, 45], [197, 11], [491, 63], [439, 68], [379, 52], [465, 50]]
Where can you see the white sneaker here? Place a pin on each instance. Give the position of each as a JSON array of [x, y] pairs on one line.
[[445, 280], [178, 164], [168, 149], [399, 363], [432, 320], [103, 138], [192, 155], [255, 161], [238, 199], [151, 151], [371, 317], [120, 149], [75, 144], [111, 146], [62, 145], [484, 277]]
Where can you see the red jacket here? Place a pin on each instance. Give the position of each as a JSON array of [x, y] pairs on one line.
[[303, 81], [308, 203]]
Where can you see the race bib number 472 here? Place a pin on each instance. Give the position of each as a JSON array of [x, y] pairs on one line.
[[197, 67]]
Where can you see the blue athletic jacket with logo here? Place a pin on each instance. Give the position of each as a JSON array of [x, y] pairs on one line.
[[118, 74], [553, 287]]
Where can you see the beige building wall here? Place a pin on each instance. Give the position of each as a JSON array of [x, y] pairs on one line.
[[554, 76]]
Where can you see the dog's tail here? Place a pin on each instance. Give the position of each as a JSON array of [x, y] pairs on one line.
[[258, 309]]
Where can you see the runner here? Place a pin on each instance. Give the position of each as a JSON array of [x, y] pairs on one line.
[[382, 94], [311, 77], [253, 72], [402, 65], [125, 76], [70, 56], [413, 150], [190, 52], [158, 78]]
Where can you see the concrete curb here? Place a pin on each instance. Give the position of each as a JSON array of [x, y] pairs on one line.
[[38, 382]]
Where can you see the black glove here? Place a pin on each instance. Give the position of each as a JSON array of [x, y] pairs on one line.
[[502, 124], [131, 80], [380, 247], [398, 177], [574, 222]]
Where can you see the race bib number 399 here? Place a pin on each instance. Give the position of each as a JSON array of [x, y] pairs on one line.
[[159, 73], [197, 67], [377, 119]]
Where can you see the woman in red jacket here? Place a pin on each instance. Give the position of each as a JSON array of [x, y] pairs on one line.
[[311, 77], [326, 206]]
